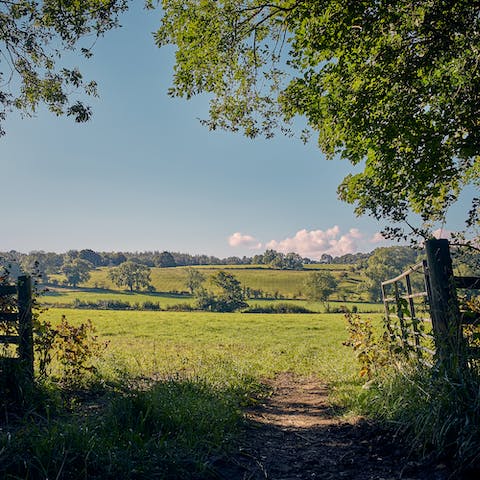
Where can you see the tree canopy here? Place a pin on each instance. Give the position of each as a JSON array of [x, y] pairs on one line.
[[320, 285], [76, 271], [33, 36], [390, 86], [130, 274], [384, 264]]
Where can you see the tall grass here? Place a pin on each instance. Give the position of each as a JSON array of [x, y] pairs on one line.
[[172, 429], [436, 412]]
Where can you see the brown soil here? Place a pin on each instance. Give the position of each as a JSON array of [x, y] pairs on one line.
[[296, 434]]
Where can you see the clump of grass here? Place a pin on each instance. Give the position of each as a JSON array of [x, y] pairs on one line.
[[437, 413], [167, 429], [433, 402]]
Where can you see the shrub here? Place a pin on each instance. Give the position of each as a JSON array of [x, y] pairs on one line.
[[278, 308], [180, 307], [75, 347], [148, 305]]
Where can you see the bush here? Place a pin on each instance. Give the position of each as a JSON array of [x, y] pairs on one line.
[[278, 308], [75, 347], [115, 305], [180, 307], [150, 306]]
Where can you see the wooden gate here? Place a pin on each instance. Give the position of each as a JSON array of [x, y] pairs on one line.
[[440, 306], [406, 310], [16, 338]]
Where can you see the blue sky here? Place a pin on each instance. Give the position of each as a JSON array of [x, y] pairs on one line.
[[143, 174]]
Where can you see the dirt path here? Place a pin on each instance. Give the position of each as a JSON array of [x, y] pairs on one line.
[[296, 435]]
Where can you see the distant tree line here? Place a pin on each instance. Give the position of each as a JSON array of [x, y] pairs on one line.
[[132, 270], [49, 263]]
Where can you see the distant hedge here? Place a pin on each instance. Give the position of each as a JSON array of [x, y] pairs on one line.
[[278, 308]]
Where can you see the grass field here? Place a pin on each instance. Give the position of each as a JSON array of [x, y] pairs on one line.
[[221, 348], [286, 283], [65, 297]]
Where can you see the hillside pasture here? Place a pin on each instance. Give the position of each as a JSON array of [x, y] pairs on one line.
[[288, 284]]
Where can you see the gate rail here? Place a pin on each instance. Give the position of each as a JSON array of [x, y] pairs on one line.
[[406, 312], [21, 321]]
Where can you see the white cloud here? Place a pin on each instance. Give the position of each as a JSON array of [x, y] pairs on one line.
[[314, 243], [240, 240]]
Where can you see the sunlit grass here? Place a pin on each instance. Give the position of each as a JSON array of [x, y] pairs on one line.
[[168, 394], [221, 347]]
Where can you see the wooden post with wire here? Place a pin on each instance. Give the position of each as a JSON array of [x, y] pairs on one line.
[[444, 308]]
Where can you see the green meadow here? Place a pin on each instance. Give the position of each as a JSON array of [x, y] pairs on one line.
[[166, 396], [168, 393], [221, 348]]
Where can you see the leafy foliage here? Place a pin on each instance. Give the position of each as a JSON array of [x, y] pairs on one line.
[[131, 274], [390, 86], [277, 308], [194, 280], [165, 259], [386, 263], [278, 260], [320, 285], [231, 295], [371, 351], [33, 36], [75, 347], [76, 271]]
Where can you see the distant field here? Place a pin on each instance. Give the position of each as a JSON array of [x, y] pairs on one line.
[[68, 297], [284, 283]]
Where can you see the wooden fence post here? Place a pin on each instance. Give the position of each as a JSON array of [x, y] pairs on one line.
[[444, 307], [25, 347]]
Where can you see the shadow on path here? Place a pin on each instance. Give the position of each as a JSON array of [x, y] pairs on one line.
[[297, 435]]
